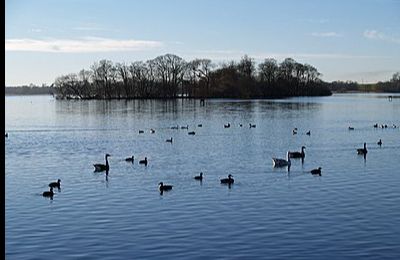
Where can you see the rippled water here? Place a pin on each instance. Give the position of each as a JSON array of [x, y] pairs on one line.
[[351, 211]]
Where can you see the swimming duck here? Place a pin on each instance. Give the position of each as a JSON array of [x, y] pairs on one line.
[[227, 126], [163, 187], [185, 127], [192, 133], [169, 140], [102, 167], [141, 131], [130, 159], [49, 193], [282, 162], [199, 125], [228, 180], [6, 135], [316, 171], [55, 184], [308, 133], [298, 154], [174, 127], [199, 177], [380, 142], [143, 161], [252, 126], [363, 150], [294, 131], [152, 131], [351, 128]]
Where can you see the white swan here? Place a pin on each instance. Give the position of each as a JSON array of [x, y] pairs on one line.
[[282, 162]]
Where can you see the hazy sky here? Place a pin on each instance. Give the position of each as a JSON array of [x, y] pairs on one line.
[[344, 40]]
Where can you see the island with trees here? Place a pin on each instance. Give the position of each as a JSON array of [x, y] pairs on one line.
[[170, 76]]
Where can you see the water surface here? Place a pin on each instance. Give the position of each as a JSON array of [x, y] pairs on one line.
[[351, 211]]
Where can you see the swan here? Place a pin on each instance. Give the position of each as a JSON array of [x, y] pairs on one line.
[[55, 184], [102, 167], [380, 142], [298, 154], [316, 171], [130, 159], [169, 140], [282, 162], [363, 150], [143, 161], [49, 193], [163, 187], [228, 180], [200, 177]]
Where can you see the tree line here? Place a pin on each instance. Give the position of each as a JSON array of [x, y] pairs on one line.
[[390, 86], [170, 76]]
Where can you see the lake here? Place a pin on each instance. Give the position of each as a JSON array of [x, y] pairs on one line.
[[351, 211]]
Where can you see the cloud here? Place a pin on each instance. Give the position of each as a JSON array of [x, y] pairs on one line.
[[36, 30], [326, 34], [376, 35], [83, 45], [236, 55]]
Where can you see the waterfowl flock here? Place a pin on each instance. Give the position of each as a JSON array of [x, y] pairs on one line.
[[277, 162]]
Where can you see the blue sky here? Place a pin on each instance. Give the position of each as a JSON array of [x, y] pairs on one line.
[[355, 40]]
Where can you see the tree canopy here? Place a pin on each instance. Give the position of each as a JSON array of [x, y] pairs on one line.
[[170, 76]]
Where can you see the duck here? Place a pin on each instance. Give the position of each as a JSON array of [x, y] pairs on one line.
[[363, 150], [141, 131], [174, 127], [351, 128], [163, 187], [294, 131], [191, 133], [169, 140], [199, 125], [6, 135], [152, 131], [55, 184], [102, 167], [252, 126], [376, 125], [298, 154], [49, 193], [185, 127], [228, 180], [316, 171], [199, 177], [240, 125], [380, 142], [282, 162], [130, 159], [308, 133], [227, 126], [143, 161]]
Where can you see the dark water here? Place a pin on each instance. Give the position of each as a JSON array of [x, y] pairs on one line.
[[351, 211]]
